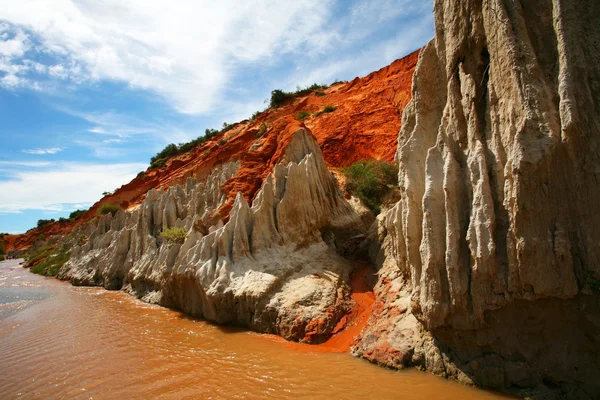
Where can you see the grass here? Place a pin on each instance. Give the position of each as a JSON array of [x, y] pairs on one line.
[[261, 130], [222, 142], [52, 264], [301, 115], [108, 208], [161, 158], [328, 109], [174, 235], [371, 181], [279, 97], [46, 260]]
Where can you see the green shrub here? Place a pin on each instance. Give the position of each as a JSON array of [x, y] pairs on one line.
[[77, 214], [222, 142], [278, 97], [327, 109], [161, 158], [227, 127], [108, 208], [262, 130], [301, 115], [43, 222], [209, 133], [320, 93], [47, 260], [256, 114], [174, 235], [371, 181], [2, 251], [63, 220]]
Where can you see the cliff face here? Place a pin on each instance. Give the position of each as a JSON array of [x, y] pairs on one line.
[[272, 267], [490, 260], [364, 125]]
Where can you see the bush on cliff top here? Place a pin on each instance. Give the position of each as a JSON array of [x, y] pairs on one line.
[[279, 97], [76, 214], [174, 235], [371, 181], [161, 158], [43, 222], [108, 208]]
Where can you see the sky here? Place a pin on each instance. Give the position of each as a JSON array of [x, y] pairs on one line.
[[91, 89]]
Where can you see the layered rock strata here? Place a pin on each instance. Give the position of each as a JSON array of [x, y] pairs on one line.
[[273, 267], [490, 262]]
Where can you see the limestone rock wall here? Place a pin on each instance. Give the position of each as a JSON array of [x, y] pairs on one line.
[[272, 267], [499, 163]]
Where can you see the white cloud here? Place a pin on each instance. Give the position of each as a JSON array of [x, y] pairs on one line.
[[376, 57], [14, 47], [58, 186], [184, 52], [51, 150]]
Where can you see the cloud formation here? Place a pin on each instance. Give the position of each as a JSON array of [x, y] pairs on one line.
[[184, 52], [52, 150], [58, 186], [189, 53]]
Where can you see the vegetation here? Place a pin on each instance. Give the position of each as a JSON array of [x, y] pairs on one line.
[[279, 97], [76, 214], [301, 115], [174, 235], [2, 251], [262, 130], [222, 142], [47, 260], [320, 93], [160, 159], [43, 222], [328, 109], [108, 208], [371, 181]]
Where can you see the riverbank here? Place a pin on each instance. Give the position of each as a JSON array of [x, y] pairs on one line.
[[81, 342]]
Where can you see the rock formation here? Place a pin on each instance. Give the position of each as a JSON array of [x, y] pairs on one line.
[[364, 125], [272, 267], [489, 263]]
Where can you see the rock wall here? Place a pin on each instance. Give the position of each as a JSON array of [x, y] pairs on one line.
[[273, 267], [490, 265]]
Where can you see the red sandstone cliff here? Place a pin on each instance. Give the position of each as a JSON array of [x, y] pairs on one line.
[[365, 125]]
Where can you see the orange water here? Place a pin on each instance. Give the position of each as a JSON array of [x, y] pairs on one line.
[[60, 341]]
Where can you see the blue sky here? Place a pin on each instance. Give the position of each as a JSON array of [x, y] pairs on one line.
[[90, 90]]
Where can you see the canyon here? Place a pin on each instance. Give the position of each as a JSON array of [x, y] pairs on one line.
[[484, 261]]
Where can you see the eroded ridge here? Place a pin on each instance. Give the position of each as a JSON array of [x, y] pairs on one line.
[[493, 246], [272, 267]]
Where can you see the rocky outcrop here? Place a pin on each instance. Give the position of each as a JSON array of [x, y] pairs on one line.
[[490, 262], [272, 267], [364, 125]]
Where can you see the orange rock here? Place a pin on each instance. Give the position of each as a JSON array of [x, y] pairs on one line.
[[365, 125]]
